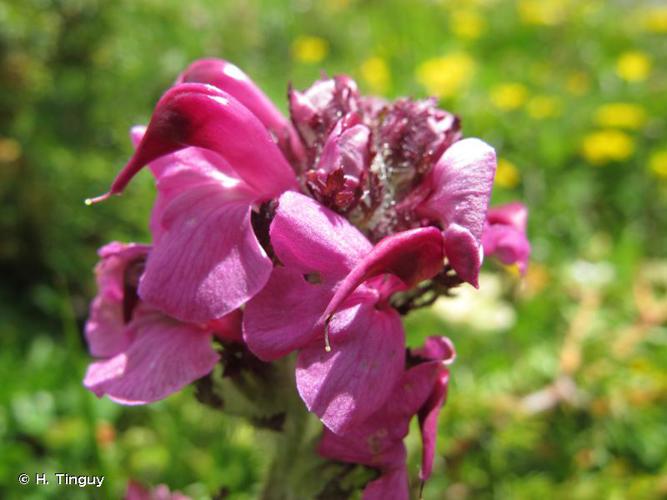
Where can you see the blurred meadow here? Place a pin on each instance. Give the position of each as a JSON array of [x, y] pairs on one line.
[[560, 388]]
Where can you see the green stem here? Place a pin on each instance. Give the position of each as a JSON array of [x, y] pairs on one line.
[[265, 395], [294, 454]]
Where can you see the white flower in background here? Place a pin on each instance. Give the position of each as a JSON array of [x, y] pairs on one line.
[[483, 309], [590, 274]]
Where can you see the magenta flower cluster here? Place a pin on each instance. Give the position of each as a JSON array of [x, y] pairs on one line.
[[312, 235]]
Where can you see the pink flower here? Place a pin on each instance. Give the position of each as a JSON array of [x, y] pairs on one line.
[[135, 491], [213, 152], [146, 354], [505, 235], [330, 301], [321, 228], [214, 158], [378, 441], [459, 188]]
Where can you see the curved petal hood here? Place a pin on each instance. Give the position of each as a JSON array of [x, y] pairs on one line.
[[193, 114], [231, 79]]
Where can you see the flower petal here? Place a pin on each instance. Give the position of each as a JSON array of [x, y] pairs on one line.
[[412, 256], [437, 352], [228, 77], [164, 356], [461, 183], [505, 234], [508, 244], [354, 379], [185, 169], [110, 270], [368, 444], [513, 214], [208, 261], [436, 348], [347, 148], [377, 441], [373, 449], [316, 110], [193, 114], [391, 485], [464, 253], [228, 328], [280, 319], [201, 163], [105, 329], [462, 180], [178, 180], [428, 422], [136, 491], [310, 237]]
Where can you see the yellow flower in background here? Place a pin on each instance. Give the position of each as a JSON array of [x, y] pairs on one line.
[[655, 19], [604, 146], [10, 150], [338, 5], [309, 49], [507, 175], [466, 23], [445, 76], [541, 107], [512, 270], [509, 96], [375, 73], [633, 66], [620, 115], [578, 83], [658, 163], [542, 12], [536, 279]]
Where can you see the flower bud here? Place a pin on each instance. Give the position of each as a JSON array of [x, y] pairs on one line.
[[316, 110], [413, 135]]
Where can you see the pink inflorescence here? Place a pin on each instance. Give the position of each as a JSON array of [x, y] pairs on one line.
[[312, 235]]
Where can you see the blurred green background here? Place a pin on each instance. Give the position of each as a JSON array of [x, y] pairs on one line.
[[560, 386]]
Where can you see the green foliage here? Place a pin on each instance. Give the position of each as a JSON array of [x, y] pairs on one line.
[[559, 388]]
